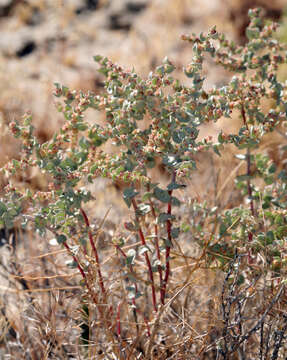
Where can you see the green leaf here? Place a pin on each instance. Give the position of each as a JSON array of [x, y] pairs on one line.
[[94, 168], [283, 176], [281, 231], [222, 229], [174, 186], [272, 168], [234, 82], [220, 138], [167, 243], [131, 291], [185, 227], [81, 126], [260, 117], [175, 232], [147, 196], [143, 249], [3, 208], [270, 237], [216, 150], [71, 264], [243, 177], [269, 180], [189, 73], [163, 217], [128, 195], [279, 219], [129, 165], [97, 58], [16, 163], [131, 255], [61, 239], [162, 195], [175, 201], [143, 209], [84, 143], [178, 136], [252, 33]]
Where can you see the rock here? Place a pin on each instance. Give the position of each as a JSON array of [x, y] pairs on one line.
[[136, 6], [89, 5], [27, 48], [122, 14], [20, 43], [92, 4], [36, 17], [119, 22]]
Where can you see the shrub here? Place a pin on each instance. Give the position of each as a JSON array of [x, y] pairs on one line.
[[158, 120]]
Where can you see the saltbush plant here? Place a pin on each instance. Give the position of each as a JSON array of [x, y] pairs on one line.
[[157, 120]]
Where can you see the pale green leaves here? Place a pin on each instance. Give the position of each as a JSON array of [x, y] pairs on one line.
[[61, 239], [128, 195]]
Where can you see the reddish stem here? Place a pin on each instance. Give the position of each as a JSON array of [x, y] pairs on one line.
[[94, 251], [76, 261], [142, 238], [82, 273], [167, 247]]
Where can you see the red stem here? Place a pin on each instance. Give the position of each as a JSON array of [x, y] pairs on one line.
[[82, 273], [167, 247], [142, 238], [94, 251], [76, 261]]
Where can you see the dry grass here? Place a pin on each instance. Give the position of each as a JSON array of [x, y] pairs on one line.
[[47, 314]]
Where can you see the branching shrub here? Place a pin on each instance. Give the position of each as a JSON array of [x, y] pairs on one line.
[[158, 120]]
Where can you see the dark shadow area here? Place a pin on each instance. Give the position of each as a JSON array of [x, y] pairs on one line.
[[26, 49]]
